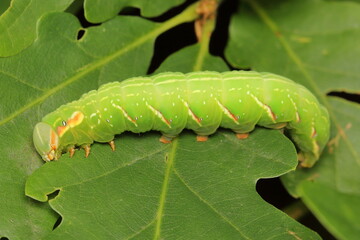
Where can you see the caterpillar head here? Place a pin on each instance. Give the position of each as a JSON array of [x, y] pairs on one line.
[[46, 141]]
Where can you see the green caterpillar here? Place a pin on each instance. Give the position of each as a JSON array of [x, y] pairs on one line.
[[200, 101]]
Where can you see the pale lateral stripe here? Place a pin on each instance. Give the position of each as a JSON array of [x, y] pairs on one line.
[[296, 109], [91, 102], [205, 79], [125, 114], [158, 114], [282, 80], [156, 77], [106, 97], [265, 107], [193, 116], [194, 79], [316, 148], [227, 112], [168, 74], [108, 88], [136, 85]]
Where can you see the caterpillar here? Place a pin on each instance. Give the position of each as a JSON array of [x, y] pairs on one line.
[[201, 101]]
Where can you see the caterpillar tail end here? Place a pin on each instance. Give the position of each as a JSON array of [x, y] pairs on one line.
[[307, 160]]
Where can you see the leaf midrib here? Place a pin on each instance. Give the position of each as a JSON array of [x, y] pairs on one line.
[[169, 160]]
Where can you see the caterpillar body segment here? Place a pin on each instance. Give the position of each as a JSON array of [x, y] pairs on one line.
[[200, 101]]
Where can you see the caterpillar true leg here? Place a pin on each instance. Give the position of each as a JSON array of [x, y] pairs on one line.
[[72, 151], [300, 157], [87, 150], [200, 138], [242, 135]]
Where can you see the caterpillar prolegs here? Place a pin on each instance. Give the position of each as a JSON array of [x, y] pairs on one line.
[[201, 101]]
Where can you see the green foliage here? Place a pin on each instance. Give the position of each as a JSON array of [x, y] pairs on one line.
[[18, 22], [189, 190], [313, 42], [181, 189]]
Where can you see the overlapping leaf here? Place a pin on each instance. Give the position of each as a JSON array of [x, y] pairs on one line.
[[96, 11], [18, 22], [148, 190], [56, 69], [314, 43], [186, 60]]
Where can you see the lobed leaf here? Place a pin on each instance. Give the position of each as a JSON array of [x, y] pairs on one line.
[[194, 190], [97, 11], [56, 69], [156, 191], [18, 22], [144, 189], [311, 42]]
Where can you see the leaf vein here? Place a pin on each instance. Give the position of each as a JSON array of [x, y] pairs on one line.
[[117, 168], [142, 229], [299, 63], [169, 166], [228, 221], [188, 15], [21, 81]]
